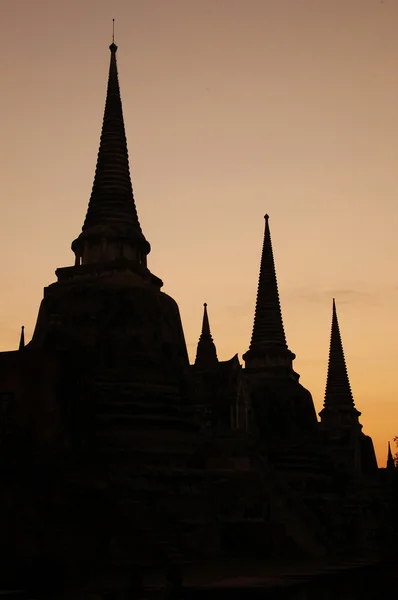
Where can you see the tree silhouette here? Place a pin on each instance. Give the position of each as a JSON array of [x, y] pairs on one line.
[[395, 440]]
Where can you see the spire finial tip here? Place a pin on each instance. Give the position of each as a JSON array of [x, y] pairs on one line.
[[266, 217], [205, 304], [113, 46]]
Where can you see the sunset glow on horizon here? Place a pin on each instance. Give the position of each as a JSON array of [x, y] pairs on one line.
[[233, 109]]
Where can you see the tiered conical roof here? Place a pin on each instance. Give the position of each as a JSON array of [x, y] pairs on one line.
[[338, 390], [206, 354], [268, 325], [112, 201]]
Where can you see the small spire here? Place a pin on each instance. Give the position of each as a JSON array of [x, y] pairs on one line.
[[22, 339], [390, 458], [206, 354], [205, 323], [268, 325], [338, 390]]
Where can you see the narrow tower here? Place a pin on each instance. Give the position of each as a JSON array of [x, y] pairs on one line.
[[206, 354], [111, 231], [338, 396], [268, 349], [351, 449], [283, 407]]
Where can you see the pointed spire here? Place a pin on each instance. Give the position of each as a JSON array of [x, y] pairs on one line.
[[390, 458], [22, 339], [206, 354], [338, 390], [112, 207], [268, 325]]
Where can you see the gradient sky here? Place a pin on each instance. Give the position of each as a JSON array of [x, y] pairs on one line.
[[233, 108]]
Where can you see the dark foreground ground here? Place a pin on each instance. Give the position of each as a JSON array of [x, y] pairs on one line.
[[339, 580], [345, 581], [348, 579]]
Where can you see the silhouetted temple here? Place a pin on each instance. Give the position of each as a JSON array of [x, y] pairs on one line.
[[116, 452]]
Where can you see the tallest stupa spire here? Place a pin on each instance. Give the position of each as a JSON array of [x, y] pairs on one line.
[[111, 211], [112, 193]]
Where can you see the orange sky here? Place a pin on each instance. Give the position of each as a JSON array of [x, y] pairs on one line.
[[233, 108]]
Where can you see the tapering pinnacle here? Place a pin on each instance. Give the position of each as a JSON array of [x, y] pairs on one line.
[[22, 339], [390, 458], [206, 354], [112, 201], [338, 390], [268, 325]]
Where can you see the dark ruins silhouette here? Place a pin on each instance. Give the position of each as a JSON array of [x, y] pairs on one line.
[[117, 454]]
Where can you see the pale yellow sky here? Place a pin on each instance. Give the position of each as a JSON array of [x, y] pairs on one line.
[[233, 108]]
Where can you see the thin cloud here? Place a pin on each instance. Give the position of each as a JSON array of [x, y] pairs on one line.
[[360, 294]]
